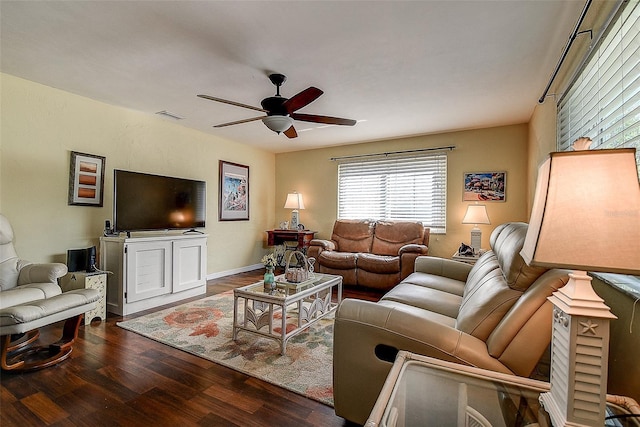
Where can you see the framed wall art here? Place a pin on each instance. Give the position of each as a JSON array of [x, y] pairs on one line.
[[233, 203], [484, 187], [86, 179]]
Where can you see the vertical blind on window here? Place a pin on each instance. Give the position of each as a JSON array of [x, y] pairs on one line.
[[603, 102], [395, 188]]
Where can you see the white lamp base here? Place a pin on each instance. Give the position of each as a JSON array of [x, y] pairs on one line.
[[579, 355], [476, 239], [293, 225]]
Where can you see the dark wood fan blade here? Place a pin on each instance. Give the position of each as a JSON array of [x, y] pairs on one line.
[[301, 99], [291, 132], [237, 104], [323, 119], [237, 122]]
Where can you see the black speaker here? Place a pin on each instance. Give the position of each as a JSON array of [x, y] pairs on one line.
[[81, 259]]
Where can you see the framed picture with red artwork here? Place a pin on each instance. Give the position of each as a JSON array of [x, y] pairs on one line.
[[484, 187], [86, 179]]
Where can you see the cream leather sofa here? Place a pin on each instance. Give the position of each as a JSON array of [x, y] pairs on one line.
[[493, 315]]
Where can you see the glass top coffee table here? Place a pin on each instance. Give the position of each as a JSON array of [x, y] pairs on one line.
[[270, 314]]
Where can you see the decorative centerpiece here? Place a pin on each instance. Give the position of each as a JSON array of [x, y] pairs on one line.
[[269, 262], [297, 274]]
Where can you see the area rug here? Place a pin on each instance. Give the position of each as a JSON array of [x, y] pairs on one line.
[[205, 328]]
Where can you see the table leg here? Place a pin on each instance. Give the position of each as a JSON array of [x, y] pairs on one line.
[[284, 329], [235, 317]]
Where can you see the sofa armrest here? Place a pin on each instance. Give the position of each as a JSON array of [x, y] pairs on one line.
[[443, 267], [327, 245], [41, 273], [317, 246], [414, 248], [408, 255], [366, 336]]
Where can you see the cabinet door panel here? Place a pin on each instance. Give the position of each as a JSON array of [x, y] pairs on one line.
[[148, 270], [189, 262]]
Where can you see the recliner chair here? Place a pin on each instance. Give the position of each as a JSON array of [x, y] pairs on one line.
[[494, 315], [31, 298]]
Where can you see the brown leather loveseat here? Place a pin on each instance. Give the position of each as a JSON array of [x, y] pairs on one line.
[[373, 254], [493, 315]]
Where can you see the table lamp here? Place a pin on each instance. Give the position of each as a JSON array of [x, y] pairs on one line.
[[476, 214], [585, 217], [294, 201]]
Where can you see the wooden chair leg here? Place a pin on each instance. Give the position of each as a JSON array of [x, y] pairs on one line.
[[39, 357]]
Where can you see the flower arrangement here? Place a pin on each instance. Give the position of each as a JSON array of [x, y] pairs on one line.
[[269, 261]]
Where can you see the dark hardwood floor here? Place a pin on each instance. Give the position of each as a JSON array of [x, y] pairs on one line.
[[118, 378]]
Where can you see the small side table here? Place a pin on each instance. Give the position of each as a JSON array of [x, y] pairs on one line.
[[299, 240], [302, 238], [469, 259], [87, 280]]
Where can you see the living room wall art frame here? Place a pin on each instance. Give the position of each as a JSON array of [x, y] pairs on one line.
[[484, 187], [233, 195], [86, 180]]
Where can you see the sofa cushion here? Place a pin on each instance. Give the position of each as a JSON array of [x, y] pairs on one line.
[[531, 303], [487, 298], [378, 281], [338, 260], [9, 272], [390, 236], [26, 293], [353, 235], [434, 281], [378, 263], [507, 241], [431, 300], [424, 315]]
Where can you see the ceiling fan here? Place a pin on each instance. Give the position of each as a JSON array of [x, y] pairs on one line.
[[281, 111]]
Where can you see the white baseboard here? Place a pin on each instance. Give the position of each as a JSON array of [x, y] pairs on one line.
[[220, 274]]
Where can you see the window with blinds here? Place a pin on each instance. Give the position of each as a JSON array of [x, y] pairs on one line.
[[603, 102], [402, 188]]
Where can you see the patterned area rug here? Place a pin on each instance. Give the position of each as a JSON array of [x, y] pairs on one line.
[[204, 328]]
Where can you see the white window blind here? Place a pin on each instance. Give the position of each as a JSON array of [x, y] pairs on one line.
[[603, 102], [405, 188]]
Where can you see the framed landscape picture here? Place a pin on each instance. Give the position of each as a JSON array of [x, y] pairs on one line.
[[484, 187], [86, 179], [233, 203]]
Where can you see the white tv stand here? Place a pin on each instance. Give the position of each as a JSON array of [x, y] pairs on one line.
[[151, 270]]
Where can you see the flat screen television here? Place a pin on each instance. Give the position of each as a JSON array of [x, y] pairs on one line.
[[145, 202]]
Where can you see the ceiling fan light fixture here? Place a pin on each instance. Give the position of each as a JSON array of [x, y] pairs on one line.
[[278, 123]]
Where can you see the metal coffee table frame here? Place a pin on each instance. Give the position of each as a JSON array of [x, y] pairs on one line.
[[313, 302]]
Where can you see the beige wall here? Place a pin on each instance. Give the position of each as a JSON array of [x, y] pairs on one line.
[[42, 125], [313, 174]]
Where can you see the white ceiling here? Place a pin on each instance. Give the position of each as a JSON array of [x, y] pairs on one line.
[[400, 68]]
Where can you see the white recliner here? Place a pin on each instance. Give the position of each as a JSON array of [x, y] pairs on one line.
[[31, 298]]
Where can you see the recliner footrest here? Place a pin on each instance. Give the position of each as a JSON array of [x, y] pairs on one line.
[[29, 316], [32, 315]]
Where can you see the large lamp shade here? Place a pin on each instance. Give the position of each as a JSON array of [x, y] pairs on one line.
[[586, 212]]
